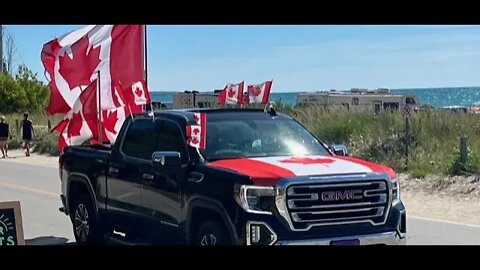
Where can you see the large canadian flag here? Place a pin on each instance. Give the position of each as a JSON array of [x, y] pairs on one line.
[[80, 123], [231, 94], [258, 93], [72, 62]]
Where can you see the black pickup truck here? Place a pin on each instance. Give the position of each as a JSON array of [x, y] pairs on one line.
[[263, 179]]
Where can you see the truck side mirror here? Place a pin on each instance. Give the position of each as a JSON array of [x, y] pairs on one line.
[[339, 149], [166, 158]]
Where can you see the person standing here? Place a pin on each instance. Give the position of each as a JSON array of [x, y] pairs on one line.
[[4, 134], [27, 132]]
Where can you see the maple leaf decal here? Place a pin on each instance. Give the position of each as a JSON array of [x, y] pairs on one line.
[[109, 121], [138, 91], [308, 161], [75, 125], [78, 69]]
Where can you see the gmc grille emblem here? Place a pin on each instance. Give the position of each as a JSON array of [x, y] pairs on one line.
[[346, 195]]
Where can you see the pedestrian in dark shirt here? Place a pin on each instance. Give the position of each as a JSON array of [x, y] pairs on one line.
[[27, 132], [4, 134]]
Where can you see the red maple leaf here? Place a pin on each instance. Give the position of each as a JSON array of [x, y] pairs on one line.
[[308, 161], [256, 91], [109, 121], [138, 91], [231, 93], [194, 141], [195, 131], [75, 125], [196, 118], [78, 69]]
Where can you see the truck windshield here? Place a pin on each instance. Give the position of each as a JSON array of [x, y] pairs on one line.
[[258, 138]]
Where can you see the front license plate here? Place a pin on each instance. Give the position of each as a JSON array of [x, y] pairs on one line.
[[350, 242]]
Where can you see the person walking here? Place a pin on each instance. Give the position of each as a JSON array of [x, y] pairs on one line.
[[4, 134], [27, 132]]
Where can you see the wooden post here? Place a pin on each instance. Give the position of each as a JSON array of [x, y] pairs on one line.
[[49, 124], [407, 141], [463, 150], [17, 126]]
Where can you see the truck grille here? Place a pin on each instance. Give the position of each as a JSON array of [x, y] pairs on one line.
[[337, 203]]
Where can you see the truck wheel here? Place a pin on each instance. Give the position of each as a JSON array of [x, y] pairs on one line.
[[84, 224], [211, 233]]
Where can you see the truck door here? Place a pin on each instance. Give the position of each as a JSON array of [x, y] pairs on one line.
[[125, 179], [162, 186]]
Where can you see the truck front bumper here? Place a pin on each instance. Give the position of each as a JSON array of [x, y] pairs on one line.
[[387, 238]]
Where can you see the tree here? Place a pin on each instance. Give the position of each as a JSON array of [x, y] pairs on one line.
[[35, 90], [12, 96], [22, 92], [9, 51]]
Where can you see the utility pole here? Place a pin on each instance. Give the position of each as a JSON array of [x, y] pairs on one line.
[[1, 48]]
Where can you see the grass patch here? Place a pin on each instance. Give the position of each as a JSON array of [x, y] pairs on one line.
[[380, 138], [434, 138]]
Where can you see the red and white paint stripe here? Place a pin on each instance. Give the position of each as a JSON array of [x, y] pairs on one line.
[[268, 170]]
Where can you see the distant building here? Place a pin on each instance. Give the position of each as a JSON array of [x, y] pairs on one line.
[[358, 100]]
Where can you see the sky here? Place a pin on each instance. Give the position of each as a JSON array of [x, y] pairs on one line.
[[297, 57]]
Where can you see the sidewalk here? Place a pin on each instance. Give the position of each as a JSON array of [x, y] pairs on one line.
[[18, 156]]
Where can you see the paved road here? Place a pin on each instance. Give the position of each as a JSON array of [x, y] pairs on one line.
[[38, 189]]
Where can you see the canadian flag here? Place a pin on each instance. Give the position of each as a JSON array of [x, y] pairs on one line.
[[258, 93], [137, 95], [196, 134], [72, 61], [80, 123], [231, 94]]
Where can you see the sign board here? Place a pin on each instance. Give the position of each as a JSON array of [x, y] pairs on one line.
[[11, 226], [407, 111]]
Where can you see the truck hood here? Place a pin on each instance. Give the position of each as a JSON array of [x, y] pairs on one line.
[[268, 170]]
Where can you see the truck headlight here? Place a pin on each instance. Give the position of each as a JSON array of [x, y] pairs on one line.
[[395, 192], [255, 199]]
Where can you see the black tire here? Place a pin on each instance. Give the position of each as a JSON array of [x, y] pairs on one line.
[[84, 223], [211, 233]]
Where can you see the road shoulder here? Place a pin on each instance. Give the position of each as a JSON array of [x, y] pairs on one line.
[[18, 156]]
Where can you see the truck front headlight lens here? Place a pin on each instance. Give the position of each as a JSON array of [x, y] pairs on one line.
[[395, 192], [255, 199]]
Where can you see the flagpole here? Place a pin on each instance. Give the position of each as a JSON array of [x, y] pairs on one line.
[[99, 109], [145, 57]]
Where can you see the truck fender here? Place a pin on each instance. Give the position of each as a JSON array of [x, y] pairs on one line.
[[217, 207], [84, 180]]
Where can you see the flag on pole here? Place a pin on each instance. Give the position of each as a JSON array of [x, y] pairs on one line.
[[231, 94], [72, 60]]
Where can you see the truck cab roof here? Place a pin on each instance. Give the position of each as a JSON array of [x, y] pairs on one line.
[[218, 113]]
